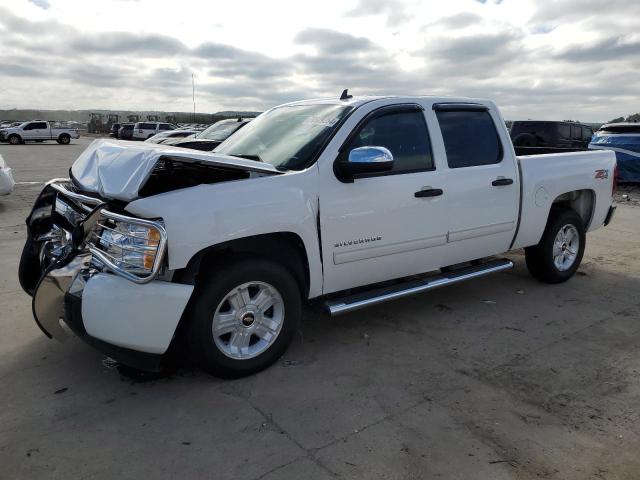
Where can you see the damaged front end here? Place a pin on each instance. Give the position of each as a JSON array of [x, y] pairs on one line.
[[72, 236]]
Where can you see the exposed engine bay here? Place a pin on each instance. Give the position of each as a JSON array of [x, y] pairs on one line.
[[173, 174]]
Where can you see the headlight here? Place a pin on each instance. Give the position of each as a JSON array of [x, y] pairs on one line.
[[131, 247]]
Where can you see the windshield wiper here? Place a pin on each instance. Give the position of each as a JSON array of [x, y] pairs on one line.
[[248, 156]]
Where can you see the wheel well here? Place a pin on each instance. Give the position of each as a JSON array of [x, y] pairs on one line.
[[581, 201], [285, 248]]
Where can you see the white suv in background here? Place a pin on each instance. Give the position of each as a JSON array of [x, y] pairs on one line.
[[144, 130]]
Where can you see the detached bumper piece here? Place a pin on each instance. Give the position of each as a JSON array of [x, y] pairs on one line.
[[610, 214]]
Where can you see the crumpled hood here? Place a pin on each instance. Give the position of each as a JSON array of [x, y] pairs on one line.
[[118, 169]]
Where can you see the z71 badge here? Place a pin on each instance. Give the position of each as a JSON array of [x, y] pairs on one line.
[[602, 174]]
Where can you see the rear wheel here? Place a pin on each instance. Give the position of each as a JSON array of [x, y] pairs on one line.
[[64, 139], [558, 254], [244, 317]]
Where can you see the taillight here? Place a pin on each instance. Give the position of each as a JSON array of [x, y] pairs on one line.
[[614, 185]]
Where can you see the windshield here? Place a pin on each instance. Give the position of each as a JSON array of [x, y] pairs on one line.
[[221, 130], [289, 137]]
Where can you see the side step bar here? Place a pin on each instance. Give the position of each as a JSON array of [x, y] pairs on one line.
[[383, 294]]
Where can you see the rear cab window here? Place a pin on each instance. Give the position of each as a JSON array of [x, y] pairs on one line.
[[470, 137]]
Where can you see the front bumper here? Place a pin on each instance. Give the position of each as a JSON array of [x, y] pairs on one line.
[[131, 322], [134, 324]]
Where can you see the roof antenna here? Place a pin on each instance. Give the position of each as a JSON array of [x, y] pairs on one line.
[[345, 95]]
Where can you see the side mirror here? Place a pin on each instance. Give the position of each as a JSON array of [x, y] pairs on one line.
[[364, 160]]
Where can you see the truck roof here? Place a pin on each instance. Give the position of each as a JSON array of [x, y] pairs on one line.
[[356, 101]]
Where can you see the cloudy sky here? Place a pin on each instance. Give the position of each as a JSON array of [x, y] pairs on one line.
[[546, 59]]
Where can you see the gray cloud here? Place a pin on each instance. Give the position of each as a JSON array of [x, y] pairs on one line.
[[330, 42], [129, 43], [397, 12], [460, 20], [614, 48], [19, 70]]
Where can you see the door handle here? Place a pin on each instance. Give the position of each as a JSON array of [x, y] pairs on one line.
[[498, 182], [428, 192]]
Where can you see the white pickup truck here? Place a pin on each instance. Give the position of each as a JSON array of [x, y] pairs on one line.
[[38, 131], [350, 201]]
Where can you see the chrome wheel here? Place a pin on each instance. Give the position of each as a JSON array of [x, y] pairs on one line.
[[565, 247], [248, 320]]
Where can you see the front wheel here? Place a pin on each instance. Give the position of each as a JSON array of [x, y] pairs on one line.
[[244, 317], [14, 139], [558, 254]]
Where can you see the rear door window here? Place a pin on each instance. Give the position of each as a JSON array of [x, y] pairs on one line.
[[470, 138], [587, 133]]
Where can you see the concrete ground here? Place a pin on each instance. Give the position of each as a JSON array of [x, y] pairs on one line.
[[501, 378]]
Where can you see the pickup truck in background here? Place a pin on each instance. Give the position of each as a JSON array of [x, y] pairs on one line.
[[350, 202], [38, 131]]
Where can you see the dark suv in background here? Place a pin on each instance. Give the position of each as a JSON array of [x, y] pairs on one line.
[[530, 137], [113, 131], [125, 132]]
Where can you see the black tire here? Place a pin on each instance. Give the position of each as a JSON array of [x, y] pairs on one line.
[[64, 139], [14, 139], [540, 258], [211, 292], [525, 140]]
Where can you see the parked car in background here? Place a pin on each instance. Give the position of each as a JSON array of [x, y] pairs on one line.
[[38, 131], [144, 130], [536, 137], [171, 135], [113, 131], [125, 132], [213, 136], [624, 140], [6, 178], [153, 246]]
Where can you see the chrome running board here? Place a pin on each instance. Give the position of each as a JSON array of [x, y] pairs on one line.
[[383, 294]]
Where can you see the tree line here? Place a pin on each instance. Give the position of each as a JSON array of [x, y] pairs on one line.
[[631, 118]]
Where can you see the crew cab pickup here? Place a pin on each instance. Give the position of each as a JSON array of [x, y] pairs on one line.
[[349, 202], [38, 131]]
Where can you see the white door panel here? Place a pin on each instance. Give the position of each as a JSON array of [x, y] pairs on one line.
[[375, 228], [387, 232], [481, 216]]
